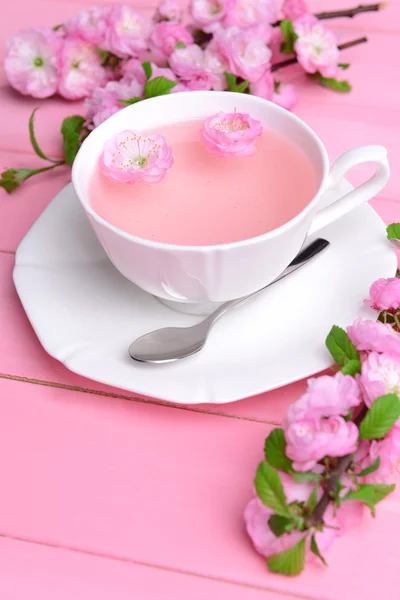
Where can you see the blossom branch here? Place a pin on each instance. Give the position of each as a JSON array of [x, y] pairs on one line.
[[350, 12], [336, 473], [293, 61]]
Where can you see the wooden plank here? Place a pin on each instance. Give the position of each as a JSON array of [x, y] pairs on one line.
[[19, 210], [29, 570], [156, 486]]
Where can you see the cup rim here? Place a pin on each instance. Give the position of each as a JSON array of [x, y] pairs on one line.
[[204, 248]]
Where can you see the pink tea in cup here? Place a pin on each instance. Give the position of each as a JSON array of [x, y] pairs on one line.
[[206, 199]]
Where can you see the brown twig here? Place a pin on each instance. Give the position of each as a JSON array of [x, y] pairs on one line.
[[293, 61], [350, 12], [336, 473]]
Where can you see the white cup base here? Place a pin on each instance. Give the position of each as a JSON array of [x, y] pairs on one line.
[[191, 308]]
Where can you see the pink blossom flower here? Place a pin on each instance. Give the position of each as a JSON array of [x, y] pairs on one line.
[[105, 101], [127, 33], [374, 336], [163, 72], [189, 64], [245, 51], [80, 69], [31, 62], [294, 8], [348, 515], [282, 94], [266, 543], [168, 10], [263, 87], [207, 13], [133, 72], [325, 397], [380, 375], [129, 157], [256, 517], [231, 134], [316, 46], [133, 69], [167, 34], [216, 66], [89, 25], [275, 44], [310, 440], [246, 13], [385, 294], [388, 450], [285, 95]]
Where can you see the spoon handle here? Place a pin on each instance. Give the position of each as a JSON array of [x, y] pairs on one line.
[[303, 257]]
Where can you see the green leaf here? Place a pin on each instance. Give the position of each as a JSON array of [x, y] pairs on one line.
[[242, 87], [349, 416], [159, 86], [33, 139], [275, 455], [12, 178], [105, 55], [343, 350], [274, 451], [315, 550], [339, 487], [380, 418], [290, 562], [393, 231], [343, 66], [231, 80], [332, 83], [57, 27], [130, 101], [370, 494], [280, 525], [289, 37], [180, 45], [233, 86], [301, 477], [147, 68], [373, 467], [71, 130], [270, 490], [312, 500], [352, 367]]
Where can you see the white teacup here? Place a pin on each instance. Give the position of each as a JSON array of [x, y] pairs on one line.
[[196, 279]]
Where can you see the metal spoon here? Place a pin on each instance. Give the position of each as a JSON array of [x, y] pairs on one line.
[[172, 343]]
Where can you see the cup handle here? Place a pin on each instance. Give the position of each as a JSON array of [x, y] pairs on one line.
[[362, 193]]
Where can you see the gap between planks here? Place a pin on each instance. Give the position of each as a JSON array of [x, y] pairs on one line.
[[139, 563], [73, 388]]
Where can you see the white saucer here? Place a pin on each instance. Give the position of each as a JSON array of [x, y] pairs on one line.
[[86, 314]]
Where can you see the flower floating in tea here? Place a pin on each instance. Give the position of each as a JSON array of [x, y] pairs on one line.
[[130, 156], [231, 134]]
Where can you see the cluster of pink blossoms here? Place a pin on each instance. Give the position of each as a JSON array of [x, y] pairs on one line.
[[321, 428], [90, 55]]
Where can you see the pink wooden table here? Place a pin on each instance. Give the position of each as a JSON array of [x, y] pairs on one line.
[[105, 495]]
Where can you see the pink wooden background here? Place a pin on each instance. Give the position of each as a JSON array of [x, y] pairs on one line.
[[105, 495]]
